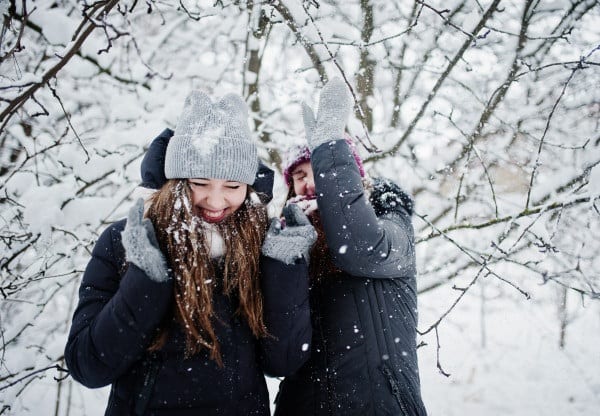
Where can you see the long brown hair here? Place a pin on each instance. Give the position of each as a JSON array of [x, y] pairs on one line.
[[321, 262], [182, 237]]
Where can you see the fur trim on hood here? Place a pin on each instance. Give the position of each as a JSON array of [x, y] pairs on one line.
[[388, 197]]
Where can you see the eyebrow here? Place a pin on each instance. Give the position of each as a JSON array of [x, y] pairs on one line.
[[207, 179]]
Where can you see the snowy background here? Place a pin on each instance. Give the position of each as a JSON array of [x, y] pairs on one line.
[[487, 111]]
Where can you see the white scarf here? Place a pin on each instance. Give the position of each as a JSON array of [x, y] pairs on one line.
[[214, 239]]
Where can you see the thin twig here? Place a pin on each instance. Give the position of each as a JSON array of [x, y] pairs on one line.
[[482, 264], [457, 57], [55, 366], [524, 213], [68, 117], [18, 102], [546, 128], [370, 147]]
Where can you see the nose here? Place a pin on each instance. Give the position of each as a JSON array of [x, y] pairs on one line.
[[215, 201], [309, 187]]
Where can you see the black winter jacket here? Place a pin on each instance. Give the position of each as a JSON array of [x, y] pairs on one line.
[[363, 355], [120, 310]]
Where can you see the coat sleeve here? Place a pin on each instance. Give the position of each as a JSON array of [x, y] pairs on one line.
[[117, 316], [287, 317], [360, 243]]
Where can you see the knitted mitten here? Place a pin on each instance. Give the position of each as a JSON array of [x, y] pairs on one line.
[[292, 242], [335, 106], [141, 245]]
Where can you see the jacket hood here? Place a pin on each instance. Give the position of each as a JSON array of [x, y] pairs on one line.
[[388, 197], [153, 168], [153, 163]]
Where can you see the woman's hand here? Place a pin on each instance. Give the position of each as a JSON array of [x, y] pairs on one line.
[[334, 108], [141, 245], [292, 242], [307, 204]]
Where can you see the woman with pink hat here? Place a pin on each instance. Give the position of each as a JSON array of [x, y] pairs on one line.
[[363, 359]]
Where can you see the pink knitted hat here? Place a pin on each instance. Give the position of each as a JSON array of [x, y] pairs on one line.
[[300, 154]]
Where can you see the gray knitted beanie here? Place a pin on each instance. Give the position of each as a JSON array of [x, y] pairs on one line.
[[212, 140]]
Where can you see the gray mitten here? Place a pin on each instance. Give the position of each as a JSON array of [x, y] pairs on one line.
[[141, 246], [292, 242], [335, 106]]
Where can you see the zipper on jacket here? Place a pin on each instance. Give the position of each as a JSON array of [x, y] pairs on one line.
[[323, 358], [395, 389], [151, 366]]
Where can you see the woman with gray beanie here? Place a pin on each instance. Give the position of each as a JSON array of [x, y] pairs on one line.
[[188, 302]]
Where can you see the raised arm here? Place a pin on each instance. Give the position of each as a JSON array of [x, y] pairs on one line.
[[361, 242]]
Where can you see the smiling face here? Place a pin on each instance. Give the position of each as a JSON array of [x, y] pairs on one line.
[[303, 180], [216, 199]]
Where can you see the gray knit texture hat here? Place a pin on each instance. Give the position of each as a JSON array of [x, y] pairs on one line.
[[212, 140]]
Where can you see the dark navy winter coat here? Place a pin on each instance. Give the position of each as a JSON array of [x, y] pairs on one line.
[[363, 355], [120, 311]]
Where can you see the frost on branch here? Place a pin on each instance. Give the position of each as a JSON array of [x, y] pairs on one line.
[[485, 111]]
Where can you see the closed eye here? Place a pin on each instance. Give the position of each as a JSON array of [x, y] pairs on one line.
[[299, 176]]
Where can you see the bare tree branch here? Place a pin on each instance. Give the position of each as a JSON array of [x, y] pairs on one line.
[[16, 103], [457, 57]]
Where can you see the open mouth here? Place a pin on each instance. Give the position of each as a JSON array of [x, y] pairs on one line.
[[213, 216]]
